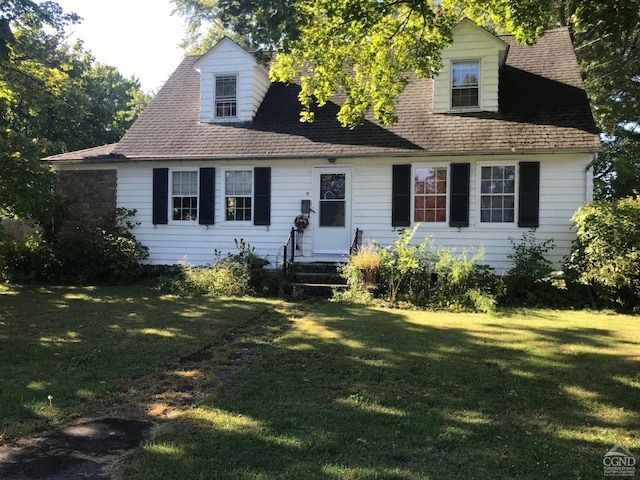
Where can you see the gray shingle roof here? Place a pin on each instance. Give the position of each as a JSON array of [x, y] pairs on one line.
[[543, 106]]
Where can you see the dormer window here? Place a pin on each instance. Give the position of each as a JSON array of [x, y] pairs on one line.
[[465, 84], [226, 96]]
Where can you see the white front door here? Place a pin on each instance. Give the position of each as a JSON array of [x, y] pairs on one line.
[[332, 221]]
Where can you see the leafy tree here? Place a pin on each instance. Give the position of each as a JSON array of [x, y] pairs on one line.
[[258, 25], [606, 255], [618, 169], [53, 98], [25, 186], [607, 40]]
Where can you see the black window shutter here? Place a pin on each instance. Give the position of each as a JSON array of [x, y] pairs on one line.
[[160, 195], [207, 196], [459, 195], [262, 196], [401, 196], [529, 195]]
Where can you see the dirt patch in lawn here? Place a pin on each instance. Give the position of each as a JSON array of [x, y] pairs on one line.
[[83, 450]]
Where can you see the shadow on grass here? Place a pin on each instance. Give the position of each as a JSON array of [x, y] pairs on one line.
[[355, 392], [83, 347]]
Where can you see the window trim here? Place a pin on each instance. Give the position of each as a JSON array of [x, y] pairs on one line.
[[516, 194], [215, 96], [170, 196], [223, 191], [416, 166], [467, 107]]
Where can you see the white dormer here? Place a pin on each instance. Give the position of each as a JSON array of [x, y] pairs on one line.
[[468, 81], [232, 84]]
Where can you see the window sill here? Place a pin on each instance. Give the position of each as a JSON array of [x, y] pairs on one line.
[[442, 225], [183, 223], [465, 110]]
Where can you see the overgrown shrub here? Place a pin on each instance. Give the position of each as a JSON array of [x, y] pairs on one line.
[[424, 276], [463, 283], [606, 254], [529, 281], [81, 257], [360, 271], [237, 274]]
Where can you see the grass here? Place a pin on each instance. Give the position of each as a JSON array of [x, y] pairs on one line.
[[352, 392], [328, 391], [87, 348]]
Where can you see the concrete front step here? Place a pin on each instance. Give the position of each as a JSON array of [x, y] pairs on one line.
[[314, 279]]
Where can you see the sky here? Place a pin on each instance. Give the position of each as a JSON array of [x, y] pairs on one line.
[[139, 37]]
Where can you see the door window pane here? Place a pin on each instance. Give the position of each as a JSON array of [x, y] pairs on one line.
[[332, 199]]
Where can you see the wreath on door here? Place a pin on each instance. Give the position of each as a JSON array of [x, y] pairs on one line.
[[301, 222]]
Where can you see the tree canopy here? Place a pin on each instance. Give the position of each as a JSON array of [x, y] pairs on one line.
[[361, 48], [53, 98]]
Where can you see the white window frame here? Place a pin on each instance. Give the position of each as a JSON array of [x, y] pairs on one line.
[[415, 167], [224, 195], [172, 196], [451, 87], [516, 182], [215, 96]]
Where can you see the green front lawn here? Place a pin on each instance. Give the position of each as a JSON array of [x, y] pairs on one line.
[[260, 389], [88, 347], [363, 393]]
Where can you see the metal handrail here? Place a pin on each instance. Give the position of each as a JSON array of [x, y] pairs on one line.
[[356, 243], [289, 251]]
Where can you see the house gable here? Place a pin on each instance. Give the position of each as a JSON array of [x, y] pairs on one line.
[[227, 69], [482, 53]]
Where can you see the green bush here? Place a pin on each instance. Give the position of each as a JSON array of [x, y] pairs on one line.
[[462, 283], [80, 257], [529, 281], [424, 276], [606, 254], [237, 274]]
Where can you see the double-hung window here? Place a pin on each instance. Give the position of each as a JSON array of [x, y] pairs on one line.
[[430, 194], [191, 195], [226, 100], [465, 84], [497, 193], [184, 195], [238, 193]]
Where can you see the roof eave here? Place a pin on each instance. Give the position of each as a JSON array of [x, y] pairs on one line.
[[420, 153]]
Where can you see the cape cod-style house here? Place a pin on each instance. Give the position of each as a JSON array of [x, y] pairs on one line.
[[500, 142]]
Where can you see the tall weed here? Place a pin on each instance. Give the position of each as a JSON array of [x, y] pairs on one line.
[[425, 276]]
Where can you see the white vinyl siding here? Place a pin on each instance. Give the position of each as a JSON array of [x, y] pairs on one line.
[[562, 191]]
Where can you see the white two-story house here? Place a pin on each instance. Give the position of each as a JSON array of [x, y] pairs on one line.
[[500, 142]]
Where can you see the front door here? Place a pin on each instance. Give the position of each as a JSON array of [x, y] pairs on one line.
[[332, 224]]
